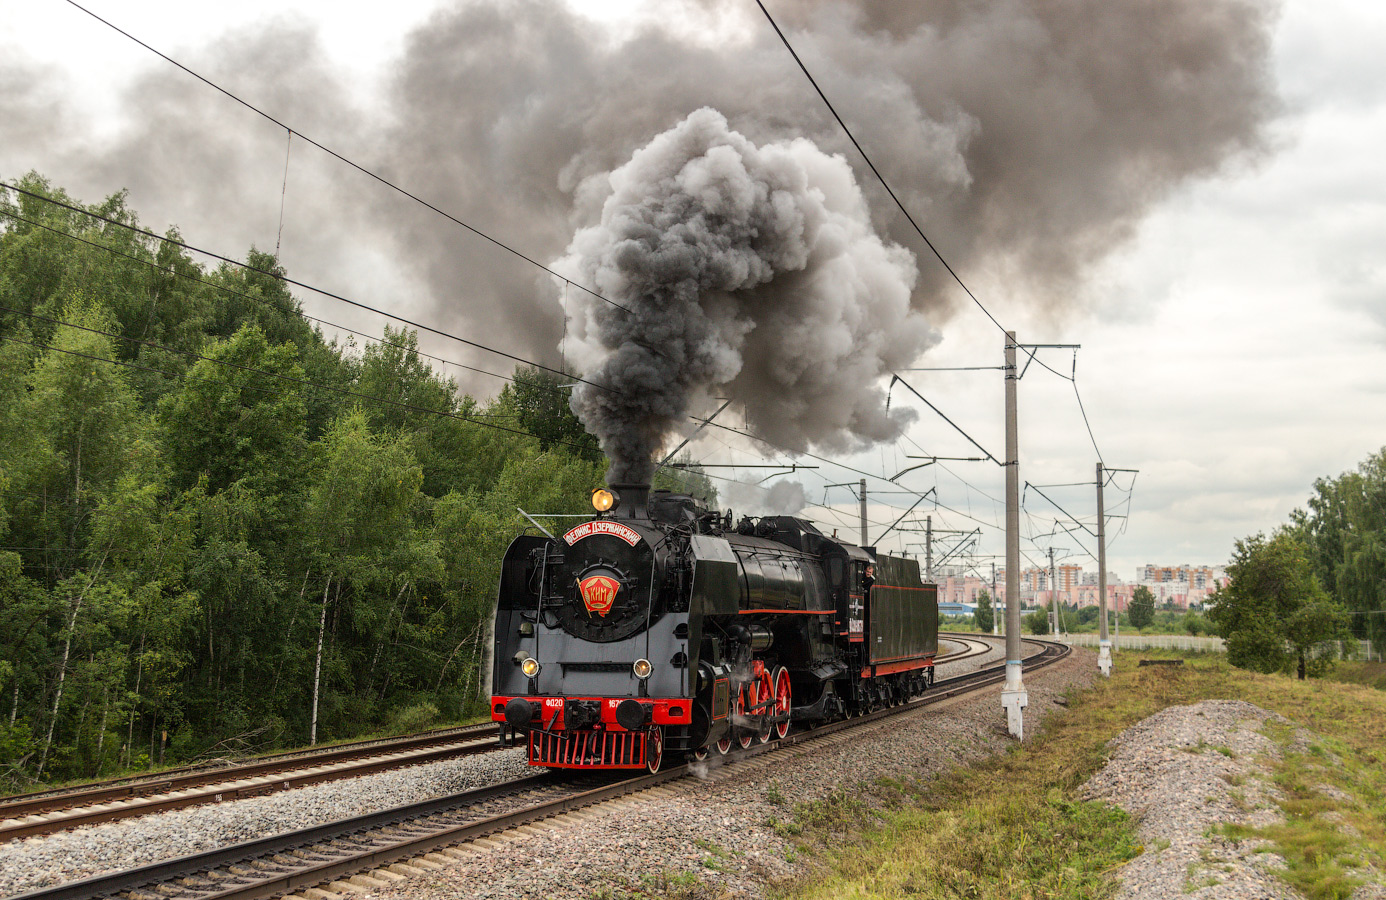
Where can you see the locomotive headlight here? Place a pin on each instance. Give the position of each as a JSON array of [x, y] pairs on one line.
[[604, 500], [530, 667], [642, 669]]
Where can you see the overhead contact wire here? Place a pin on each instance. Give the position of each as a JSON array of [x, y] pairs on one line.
[[335, 155], [169, 270], [284, 278]]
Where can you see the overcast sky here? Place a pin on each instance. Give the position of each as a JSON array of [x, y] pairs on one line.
[[1232, 338]]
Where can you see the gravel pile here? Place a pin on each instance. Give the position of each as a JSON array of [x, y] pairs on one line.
[[1183, 772], [37, 862]]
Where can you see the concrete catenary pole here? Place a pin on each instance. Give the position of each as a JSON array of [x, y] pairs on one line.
[[1053, 595], [1014, 697], [863, 512], [929, 547], [1104, 644]]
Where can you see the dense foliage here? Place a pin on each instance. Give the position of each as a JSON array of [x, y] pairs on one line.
[[1273, 612], [1320, 577], [1343, 531], [218, 529]]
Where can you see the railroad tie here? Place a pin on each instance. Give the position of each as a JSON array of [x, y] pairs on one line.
[[385, 875], [404, 869]]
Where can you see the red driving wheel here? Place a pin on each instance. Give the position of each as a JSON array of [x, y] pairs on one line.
[[783, 700], [654, 748]]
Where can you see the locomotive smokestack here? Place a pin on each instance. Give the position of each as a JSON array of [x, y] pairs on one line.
[[635, 500]]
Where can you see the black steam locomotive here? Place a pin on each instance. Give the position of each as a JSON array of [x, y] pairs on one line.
[[657, 626]]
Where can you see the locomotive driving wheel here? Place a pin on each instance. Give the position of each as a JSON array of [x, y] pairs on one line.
[[783, 698], [654, 748], [763, 690], [743, 731]]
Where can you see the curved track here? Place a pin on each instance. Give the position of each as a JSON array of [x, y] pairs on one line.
[[299, 860], [973, 645]]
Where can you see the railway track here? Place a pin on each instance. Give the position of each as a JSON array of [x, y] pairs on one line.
[[332, 853], [44, 813], [47, 812], [974, 645]]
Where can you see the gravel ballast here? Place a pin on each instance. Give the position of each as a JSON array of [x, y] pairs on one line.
[[716, 827], [27, 865]]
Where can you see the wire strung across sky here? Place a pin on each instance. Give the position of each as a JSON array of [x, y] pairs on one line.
[[170, 270], [367, 398], [279, 276], [338, 156], [512, 250], [330, 295]]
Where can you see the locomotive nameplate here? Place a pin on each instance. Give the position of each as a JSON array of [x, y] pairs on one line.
[[602, 526], [598, 593]]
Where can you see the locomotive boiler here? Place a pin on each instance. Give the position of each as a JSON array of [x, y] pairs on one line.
[[659, 627]]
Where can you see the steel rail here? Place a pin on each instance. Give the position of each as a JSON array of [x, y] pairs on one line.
[[45, 814], [136, 781], [29, 816], [281, 864]]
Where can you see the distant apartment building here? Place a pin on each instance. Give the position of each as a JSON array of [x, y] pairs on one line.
[[1181, 586], [1177, 586], [1192, 577]]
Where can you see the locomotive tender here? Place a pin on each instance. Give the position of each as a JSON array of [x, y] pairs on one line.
[[657, 624]]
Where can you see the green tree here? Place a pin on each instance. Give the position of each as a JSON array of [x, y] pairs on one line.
[[540, 401], [1037, 620], [358, 519], [1141, 609], [239, 414], [1273, 612], [983, 614]]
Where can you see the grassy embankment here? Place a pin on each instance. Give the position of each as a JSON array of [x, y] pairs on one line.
[[1013, 826]]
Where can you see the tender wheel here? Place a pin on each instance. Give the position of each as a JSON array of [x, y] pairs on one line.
[[743, 732], [783, 700], [654, 749]]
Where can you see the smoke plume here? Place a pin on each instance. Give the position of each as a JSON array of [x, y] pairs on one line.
[[1028, 139], [786, 497], [737, 268]]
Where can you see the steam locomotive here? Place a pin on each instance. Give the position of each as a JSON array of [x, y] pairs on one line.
[[657, 628]]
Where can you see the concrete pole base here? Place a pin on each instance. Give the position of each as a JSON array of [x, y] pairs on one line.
[[1014, 699], [1014, 703], [1104, 657]]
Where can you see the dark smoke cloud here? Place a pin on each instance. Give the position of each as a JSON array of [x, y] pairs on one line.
[[1028, 138], [733, 267]]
